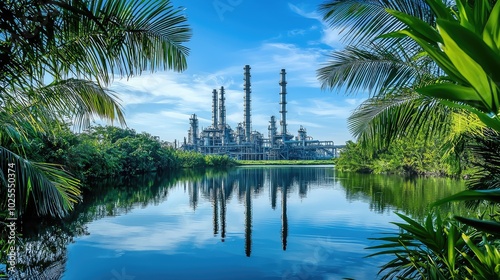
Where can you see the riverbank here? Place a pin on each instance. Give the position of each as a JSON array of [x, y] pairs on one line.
[[285, 162]]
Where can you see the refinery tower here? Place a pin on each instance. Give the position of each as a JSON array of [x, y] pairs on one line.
[[244, 144]]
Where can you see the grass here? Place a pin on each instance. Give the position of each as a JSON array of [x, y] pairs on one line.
[[285, 162]]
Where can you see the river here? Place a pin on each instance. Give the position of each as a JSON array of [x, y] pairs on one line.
[[259, 222]]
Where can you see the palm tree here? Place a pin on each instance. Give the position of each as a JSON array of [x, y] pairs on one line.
[[464, 44], [388, 68], [57, 59]]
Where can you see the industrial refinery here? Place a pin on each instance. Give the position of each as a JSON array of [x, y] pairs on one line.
[[244, 144]]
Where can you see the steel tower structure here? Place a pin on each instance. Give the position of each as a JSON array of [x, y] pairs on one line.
[[247, 123], [283, 104]]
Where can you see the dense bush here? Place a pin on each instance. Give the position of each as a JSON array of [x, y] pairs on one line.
[[403, 156], [107, 151]]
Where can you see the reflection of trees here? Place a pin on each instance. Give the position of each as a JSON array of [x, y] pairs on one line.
[[412, 196], [42, 251]]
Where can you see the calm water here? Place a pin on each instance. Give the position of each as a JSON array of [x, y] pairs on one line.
[[248, 223]]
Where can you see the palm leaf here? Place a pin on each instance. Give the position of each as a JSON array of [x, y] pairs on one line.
[[139, 35], [373, 68], [80, 100], [363, 21], [53, 190], [379, 121]]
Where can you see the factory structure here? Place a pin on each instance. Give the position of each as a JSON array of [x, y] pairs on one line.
[[244, 144]]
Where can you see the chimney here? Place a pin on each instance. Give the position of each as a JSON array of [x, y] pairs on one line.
[[222, 109], [283, 103], [246, 101], [214, 109]]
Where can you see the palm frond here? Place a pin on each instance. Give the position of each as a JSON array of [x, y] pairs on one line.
[[35, 110], [364, 20], [138, 35], [80, 100], [49, 188], [372, 68], [379, 121], [486, 150]]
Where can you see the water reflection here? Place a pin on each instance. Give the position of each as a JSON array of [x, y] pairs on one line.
[[235, 203]]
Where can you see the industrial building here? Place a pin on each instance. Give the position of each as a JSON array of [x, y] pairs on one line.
[[244, 144]]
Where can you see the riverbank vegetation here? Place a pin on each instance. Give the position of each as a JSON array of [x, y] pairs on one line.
[[425, 65], [108, 151], [58, 61], [407, 157]]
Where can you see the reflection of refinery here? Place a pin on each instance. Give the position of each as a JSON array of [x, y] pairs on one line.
[[244, 183], [245, 144]]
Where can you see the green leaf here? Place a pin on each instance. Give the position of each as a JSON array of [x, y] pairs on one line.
[[454, 92], [451, 247], [439, 8], [419, 27], [490, 195], [491, 32], [441, 59], [477, 63], [492, 227], [466, 15], [490, 121]]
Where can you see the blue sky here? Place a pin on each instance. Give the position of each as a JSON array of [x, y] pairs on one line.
[[227, 35]]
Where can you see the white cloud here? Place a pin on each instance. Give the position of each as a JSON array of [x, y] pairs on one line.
[[325, 108], [330, 36], [312, 15], [296, 32]]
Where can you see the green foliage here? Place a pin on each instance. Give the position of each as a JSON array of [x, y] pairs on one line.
[[438, 249], [353, 158], [465, 47], [190, 159], [403, 156], [218, 161], [462, 44], [57, 60], [107, 151]]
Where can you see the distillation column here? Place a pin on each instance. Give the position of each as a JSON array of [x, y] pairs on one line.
[[193, 130], [272, 131], [283, 104], [222, 109], [246, 101], [215, 112], [222, 117]]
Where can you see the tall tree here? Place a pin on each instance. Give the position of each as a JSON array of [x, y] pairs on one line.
[[56, 60]]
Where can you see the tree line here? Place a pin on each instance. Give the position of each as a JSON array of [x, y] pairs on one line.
[[108, 151]]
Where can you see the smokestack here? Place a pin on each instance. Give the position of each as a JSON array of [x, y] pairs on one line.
[[222, 109], [246, 100], [214, 109], [283, 103]]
